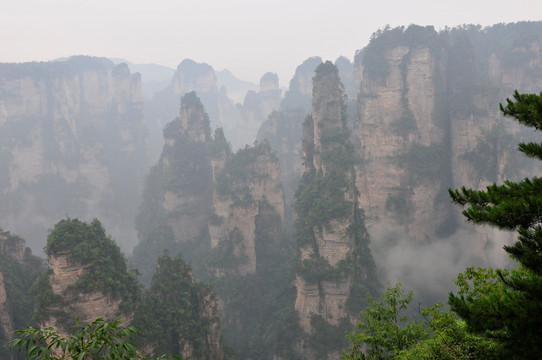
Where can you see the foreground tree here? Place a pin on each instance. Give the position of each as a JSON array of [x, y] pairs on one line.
[[508, 307], [96, 340], [450, 337], [383, 331], [179, 315]]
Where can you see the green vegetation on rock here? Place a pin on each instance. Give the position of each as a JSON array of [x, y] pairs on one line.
[[507, 307], [423, 162], [372, 57], [323, 198], [386, 331], [258, 314], [18, 271], [177, 312], [105, 266]]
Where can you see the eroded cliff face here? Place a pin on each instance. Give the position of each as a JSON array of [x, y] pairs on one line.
[[332, 239], [247, 189], [87, 306], [72, 142], [18, 270], [484, 144], [402, 137], [430, 121]]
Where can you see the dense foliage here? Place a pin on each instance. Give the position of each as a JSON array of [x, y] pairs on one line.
[[509, 308], [105, 266], [383, 328], [259, 316], [385, 39], [385, 331], [449, 340], [177, 312], [17, 274]]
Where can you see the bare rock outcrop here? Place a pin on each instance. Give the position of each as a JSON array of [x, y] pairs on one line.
[[401, 136]]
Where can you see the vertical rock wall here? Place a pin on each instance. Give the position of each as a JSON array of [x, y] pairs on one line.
[[72, 141], [332, 240], [402, 134], [428, 120]]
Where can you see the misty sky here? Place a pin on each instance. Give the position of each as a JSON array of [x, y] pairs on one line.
[[248, 37]]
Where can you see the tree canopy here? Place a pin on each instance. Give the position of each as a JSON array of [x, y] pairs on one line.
[[384, 330], [508, 306]]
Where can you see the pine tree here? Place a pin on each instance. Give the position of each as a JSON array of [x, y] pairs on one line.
[[511, 309]]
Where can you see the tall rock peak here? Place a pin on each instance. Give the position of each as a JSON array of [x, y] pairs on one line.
[[334, 260], [269, 82], [224, 212], [300, 89], [402, 130], [178, 193], [179, 314], [193, 76], [87, 278], [328, 115], [193, 122]]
